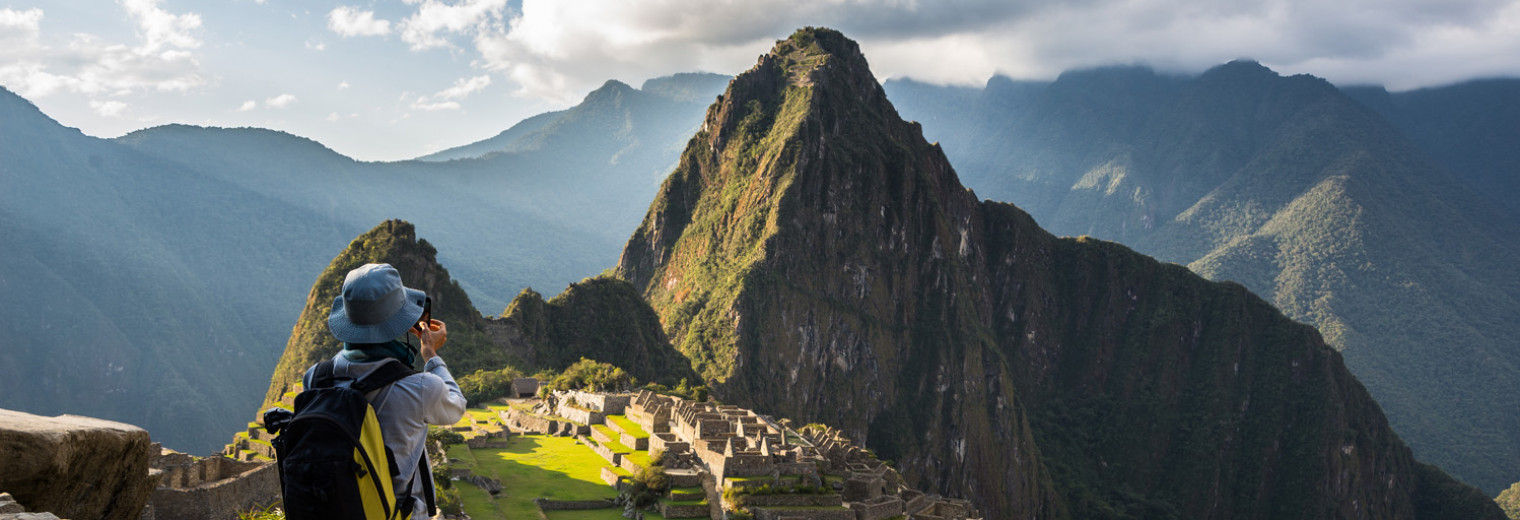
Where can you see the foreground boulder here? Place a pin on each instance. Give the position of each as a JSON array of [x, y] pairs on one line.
[[75, 467]]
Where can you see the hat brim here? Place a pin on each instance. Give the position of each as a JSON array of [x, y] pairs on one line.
[[349, 332]]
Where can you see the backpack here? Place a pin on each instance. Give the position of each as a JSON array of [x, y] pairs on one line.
[[333, 462]]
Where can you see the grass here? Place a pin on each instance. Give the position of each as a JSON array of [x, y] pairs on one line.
[[533, 466], [615, 513], [628, 426], [462, 453], [479, 504], [639, 457]]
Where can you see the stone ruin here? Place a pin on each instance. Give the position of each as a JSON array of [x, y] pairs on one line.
[[212, 488], [721, 447]]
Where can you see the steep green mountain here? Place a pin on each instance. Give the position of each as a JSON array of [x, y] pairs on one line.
[[1290, 187], [1469, 128], [160, 271], [816, 258], [599, 318]]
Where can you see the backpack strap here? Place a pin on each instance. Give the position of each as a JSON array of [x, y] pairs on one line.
[[389, 372], [427, 484], [323, 376]]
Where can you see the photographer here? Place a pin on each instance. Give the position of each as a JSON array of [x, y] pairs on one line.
[[373, 318]]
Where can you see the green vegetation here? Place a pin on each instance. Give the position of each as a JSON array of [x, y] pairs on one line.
[[628, 426], [1293, 189], [810, 236], [736, 494], [485, 385], [535, 466], [394, 242], [592, 376], [269, 512], [1509, 501]]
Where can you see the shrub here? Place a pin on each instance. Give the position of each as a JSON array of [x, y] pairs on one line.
[[591, 375], [485, 385], [449, 502]]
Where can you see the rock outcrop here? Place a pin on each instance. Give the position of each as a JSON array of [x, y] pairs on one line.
[[75, 467]]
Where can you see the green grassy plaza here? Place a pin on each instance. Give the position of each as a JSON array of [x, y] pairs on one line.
[[534, 466]]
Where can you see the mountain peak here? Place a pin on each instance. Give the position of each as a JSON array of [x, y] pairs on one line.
[[610, 93]]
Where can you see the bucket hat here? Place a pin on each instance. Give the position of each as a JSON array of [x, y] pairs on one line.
[[374, 307]]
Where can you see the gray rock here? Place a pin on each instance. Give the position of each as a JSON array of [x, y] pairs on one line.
[[8, 504], [76, 467], [29, 516]]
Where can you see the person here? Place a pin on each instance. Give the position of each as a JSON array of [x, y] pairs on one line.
[[373, 317]]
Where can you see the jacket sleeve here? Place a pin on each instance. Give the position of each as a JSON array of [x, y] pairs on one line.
[[449, 404]]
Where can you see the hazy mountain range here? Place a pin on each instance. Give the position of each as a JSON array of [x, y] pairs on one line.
[[1364, 221], [161, 271], [812, 256], [1374, 232]]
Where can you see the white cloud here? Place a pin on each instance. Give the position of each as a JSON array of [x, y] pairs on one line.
[[464, 87], [422, 103], [349, 21], [161, 29], [556, 50], [111, 108], [248, 105], [332, 117], [342, 85], [280, 101], [316, 45], [435, 20], [162, 60], [444, 99]]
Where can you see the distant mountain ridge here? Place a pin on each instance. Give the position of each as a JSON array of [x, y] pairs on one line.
[[1292, 188], [816, 258], [661, 94], [163, 268], [1469, 128]]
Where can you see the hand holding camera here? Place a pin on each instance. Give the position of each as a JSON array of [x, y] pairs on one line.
[[433, 333]]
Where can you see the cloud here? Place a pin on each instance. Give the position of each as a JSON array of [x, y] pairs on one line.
[[556, 50], [160, 29], [248, 105], [108, 108], [280, 101], [342, 85], [464, 87], [445, 99], [434, 21], [163, 59], [350, 21], [422, 103]]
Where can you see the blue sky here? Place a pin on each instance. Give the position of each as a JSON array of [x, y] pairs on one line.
[[387, 80]]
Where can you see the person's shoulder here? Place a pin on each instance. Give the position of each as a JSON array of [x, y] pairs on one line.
[[423, 380]]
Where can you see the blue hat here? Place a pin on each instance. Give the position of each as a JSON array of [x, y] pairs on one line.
[[374, 306]]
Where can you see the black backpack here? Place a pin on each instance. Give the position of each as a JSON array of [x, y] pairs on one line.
[[333, 462]]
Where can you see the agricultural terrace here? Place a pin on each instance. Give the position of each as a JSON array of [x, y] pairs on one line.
[[538, 466]]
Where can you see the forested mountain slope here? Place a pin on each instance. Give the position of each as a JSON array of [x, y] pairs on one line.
[[1288, 186], [816, 258]]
